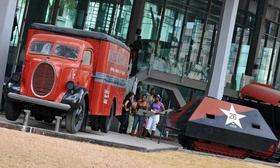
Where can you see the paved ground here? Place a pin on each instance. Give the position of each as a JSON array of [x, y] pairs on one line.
[[109, 139], [25, 150], [117, 140]]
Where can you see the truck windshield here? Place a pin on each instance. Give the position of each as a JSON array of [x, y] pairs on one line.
[[66, 51], [47, 48], [38, 47]]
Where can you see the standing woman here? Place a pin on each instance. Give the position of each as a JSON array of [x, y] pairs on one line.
[[126, 109], [139, 119], [156, 107]]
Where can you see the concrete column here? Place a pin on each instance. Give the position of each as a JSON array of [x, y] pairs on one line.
[[7, 14], [135, 20], [219, 70]]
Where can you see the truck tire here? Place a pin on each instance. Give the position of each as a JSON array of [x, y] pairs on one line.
[[95, 123], [2, 103], [48, 119], [35, 112], [12, 110], [106, 121], [38, 117], [75, 118], [85, 122]]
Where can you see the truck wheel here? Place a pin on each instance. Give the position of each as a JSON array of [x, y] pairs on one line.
[[95, 123], [85, 122], [75, 118], [106, 121], [48, 119], [2, 103], [38, 117], [12, 110], [35, 112]]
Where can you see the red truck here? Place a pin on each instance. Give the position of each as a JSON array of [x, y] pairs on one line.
[[76, 74]]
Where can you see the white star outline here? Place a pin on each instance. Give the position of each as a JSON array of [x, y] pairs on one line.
[[232, 116]]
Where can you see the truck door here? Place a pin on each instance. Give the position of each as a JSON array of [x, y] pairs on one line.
[[85, 75]]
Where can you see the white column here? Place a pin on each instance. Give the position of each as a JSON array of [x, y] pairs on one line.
[[7, 14], [217, 81]]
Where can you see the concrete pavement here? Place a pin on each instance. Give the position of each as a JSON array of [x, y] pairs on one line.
[[108, 139]]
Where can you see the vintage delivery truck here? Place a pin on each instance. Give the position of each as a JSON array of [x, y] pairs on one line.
[[79, 75]]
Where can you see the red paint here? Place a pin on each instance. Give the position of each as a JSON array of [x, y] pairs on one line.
[[220, 149], [261, 92], [213, 107]]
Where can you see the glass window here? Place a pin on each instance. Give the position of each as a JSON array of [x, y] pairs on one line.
[[110, 17], [263, 59], [240, 47], [274, 62], [87, 57], [67, 13], [150, 27], [151, 20], [18, 20], [234, 51], [169, 40], [243, 57], [199, 4], [272, 13], [38, 47], [66, 51], [277, 80], [186, 39], [271, 28], [123, 15], [253, 6]]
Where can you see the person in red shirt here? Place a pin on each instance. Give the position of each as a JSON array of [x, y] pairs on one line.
[[142, 103]]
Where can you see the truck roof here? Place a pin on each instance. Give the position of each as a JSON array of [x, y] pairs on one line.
[[79, 33]]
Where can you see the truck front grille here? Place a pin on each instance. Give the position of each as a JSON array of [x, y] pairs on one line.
[[43, 79]]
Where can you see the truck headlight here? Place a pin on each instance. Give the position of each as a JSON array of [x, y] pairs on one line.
[[70, 85]]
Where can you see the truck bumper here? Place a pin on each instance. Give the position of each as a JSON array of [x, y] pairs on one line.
[[37, 101]]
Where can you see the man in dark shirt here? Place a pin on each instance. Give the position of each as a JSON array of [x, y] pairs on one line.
[[135, 47]]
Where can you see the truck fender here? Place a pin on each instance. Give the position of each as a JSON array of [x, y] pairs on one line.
[[12, 85], [74, 97]]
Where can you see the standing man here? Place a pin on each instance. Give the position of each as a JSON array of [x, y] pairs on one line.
[[135, 47]]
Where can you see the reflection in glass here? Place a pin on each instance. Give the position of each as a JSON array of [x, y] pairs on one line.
[[263, 59], [67, 13], [169, 41], [274, 62], [150, 28], [186, 39], [110, 17], [38, 47]]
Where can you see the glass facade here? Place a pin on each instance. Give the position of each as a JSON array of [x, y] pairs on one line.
[[66, 14], [178, 36], [111, 17], [240, 48], [21, 4]]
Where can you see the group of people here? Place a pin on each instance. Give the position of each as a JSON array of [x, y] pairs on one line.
[[141, 124]]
